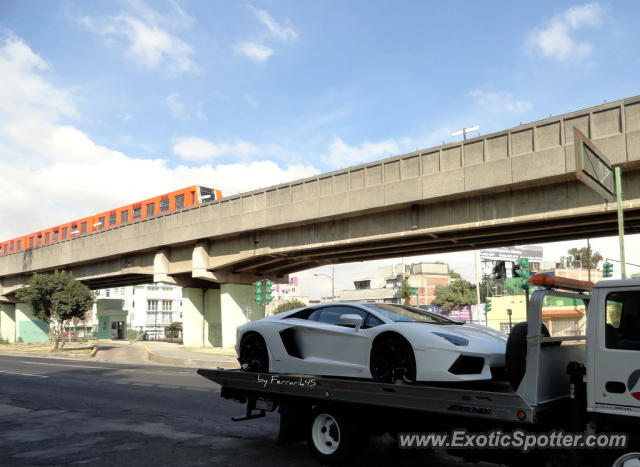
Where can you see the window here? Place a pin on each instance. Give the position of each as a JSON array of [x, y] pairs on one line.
[[331, 314], [179, 201], [408, 313], [164, 205], [137, 212], [113, 218], [19, 245], [107, 292], [124, 216], [30, 242], [622, 329], [39, 239], [361, 285], [56, 234], [64, 233], [151, 209], [46, 237], [11, 245], [167, 305], [101, 224], [83, 228], [505, 328], [193, 198], [152, 305], [302, 314]]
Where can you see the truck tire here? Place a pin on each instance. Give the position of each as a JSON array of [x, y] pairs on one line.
[[333, 437], [516, 355]]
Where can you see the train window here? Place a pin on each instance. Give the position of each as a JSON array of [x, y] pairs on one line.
[[137, 212], [11, 246], [30, 242], [113, 218], [55, 234], [164, 205], [179, 201], [19, 245], [39, 239], [124, 216], [206, 194], [151, 209], [193, 198], [100, 222], [74, 229], [46, 237], [64, 233], [83, 228]]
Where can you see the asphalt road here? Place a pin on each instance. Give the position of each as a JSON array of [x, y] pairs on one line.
[[59, 412]]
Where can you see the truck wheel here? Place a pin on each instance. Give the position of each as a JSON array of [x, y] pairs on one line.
[[333, 437], [516, 355]]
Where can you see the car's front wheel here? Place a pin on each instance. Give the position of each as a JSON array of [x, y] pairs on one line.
[[254, 355], [392, 361]]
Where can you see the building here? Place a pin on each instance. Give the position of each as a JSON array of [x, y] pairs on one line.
[[423, 278], [282, 293]]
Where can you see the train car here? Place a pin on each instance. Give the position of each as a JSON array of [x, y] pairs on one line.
[[158, 205]]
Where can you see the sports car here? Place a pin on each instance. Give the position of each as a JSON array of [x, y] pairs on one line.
[[380, 341]]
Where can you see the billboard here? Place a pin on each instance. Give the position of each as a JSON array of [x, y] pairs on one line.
[[534, 253]]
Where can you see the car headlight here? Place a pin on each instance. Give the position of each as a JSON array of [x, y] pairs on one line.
[[455, 340]]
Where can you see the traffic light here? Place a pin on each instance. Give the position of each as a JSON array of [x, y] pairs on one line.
[[258, 291], [522, 272], [607, 270], [487, 305], [267, 291]]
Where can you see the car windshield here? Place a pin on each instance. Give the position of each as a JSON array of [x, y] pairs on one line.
[[408, 313]]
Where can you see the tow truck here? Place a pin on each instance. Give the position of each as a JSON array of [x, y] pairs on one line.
[[586, 383]]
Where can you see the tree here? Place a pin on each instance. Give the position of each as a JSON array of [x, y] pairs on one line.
[[173, 330], [56, 298], [453, 274], [404, 291], [588, 259], [458, 293], [290, 305]]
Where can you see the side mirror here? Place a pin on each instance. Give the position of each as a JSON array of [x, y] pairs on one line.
[[352, 320]]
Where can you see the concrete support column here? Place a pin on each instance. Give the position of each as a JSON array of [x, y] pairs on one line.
[[161, 264], [8, 322], [201, 316], [238, 306], [28, 327]]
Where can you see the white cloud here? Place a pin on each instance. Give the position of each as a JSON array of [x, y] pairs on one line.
[[343, 155], [504, 102], [149, 43], [176, 106], [556, 40], [200, 149], [255, 51], [53, 172], [281, 32]]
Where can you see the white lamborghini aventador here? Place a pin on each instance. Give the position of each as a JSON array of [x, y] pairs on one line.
[[386, 342]]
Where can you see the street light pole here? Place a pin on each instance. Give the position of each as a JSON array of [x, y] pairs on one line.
[[332, 277]]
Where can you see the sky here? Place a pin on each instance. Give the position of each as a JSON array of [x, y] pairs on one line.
[[104, 103]]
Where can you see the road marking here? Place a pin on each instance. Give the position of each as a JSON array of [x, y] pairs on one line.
[[23, 374], [79, 366]]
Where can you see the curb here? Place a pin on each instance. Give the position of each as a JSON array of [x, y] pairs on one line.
[[63, 355], [178, 361]]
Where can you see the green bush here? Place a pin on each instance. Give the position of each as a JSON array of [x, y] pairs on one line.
[[290, 305]]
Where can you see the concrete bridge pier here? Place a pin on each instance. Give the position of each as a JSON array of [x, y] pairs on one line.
[[8, 322], [211, 315]]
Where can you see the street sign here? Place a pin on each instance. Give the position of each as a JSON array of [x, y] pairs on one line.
[[593, 168]]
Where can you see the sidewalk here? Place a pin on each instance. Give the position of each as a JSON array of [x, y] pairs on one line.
[[170, 354]]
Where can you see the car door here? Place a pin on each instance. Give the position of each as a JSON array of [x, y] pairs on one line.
[[333, 348], [617, 366]]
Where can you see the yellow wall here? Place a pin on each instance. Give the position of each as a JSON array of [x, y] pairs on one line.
[[499, 306]]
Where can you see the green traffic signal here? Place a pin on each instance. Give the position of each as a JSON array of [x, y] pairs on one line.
[[487, 305], [258, 291], [607, 270]]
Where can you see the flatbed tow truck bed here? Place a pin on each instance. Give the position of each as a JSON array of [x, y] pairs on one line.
[[494, 400]]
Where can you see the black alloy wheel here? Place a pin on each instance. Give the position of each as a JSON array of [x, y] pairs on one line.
[[253, 353], [392, 361]]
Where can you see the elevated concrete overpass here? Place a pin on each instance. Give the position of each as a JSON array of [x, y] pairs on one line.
[[511, 187]]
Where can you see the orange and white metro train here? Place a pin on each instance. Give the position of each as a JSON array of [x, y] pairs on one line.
[[184, 198]]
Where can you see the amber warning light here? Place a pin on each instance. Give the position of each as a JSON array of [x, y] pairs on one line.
[[553, 282]]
